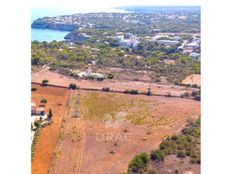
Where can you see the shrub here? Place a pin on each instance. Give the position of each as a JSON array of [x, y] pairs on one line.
[[181, 154], [43, 101], [133, 91], [139, 162], [194, 93], [197, 97], [195, 86], [149, 93], [100, 78], [127, 91], [107, 89], [157, 155], [168, 94], [33, 89], [152, 171], [110, 76], [45, 82], [186, 94], [37, 124], [174, 137], [72, 86]]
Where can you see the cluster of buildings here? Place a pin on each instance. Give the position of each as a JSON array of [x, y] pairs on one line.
[[191, 48], [37, 111], [88, 74], [130, 42], [164, 39]]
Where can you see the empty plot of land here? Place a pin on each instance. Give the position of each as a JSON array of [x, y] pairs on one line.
[[56, 100], [112, 128], [58, 79]]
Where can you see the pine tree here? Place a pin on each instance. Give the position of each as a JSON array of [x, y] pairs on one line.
[[50, 114]]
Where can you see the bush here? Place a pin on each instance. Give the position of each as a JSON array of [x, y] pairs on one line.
[[107, 89], [157, 155], [195, 86], [194, 93], [127, 91], [72, 86], [33, 89], [110, 76], [168, 94], [152, 171], [100, 78], [181, 154], [133, 91], [149, 93], [43, 101], [45, 82], [197, 97], [174, 137], [139, 162], [186, 94], [37, 124]]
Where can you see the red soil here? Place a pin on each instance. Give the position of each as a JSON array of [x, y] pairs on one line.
[[46, 142]]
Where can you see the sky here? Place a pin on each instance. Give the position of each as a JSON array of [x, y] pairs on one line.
[[104, 4]]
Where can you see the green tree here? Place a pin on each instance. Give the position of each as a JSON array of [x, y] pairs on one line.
[[45, 82], [157, 155]]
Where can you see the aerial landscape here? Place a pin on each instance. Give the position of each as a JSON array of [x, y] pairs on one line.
[[116, 92]]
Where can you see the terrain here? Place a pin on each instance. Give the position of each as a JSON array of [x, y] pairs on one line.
[[111, 128], [117, 85], [46, 142], [120, 84]]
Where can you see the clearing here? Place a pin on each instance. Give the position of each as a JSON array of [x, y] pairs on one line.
[[192, 79], [111, 128]]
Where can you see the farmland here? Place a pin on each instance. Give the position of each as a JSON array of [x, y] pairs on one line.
[[46, 142], [118, 85], [111, 128]]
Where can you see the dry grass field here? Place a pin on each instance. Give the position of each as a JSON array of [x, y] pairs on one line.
[[111, 128]]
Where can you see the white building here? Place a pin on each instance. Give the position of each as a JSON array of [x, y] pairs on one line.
[[168, 42]]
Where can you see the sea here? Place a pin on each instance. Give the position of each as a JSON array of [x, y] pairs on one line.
[[51, 35]]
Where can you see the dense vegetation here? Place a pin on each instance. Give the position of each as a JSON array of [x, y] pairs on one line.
[[60, 56], [185, 144]]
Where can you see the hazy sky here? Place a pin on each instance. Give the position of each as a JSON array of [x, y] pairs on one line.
[[103, 4]]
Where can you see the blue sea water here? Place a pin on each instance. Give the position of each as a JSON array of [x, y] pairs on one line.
[[50, 35], [46, 34]]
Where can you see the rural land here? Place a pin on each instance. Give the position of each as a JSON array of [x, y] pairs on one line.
[[121, 94]]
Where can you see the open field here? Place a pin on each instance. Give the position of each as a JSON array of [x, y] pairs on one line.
[[58, 79], [46, 142], [193, 79], [111, 128]]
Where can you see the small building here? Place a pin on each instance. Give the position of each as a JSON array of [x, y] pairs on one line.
[[37, 110], [40, 111], [167, 42], [33, 108], [195, 55]]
